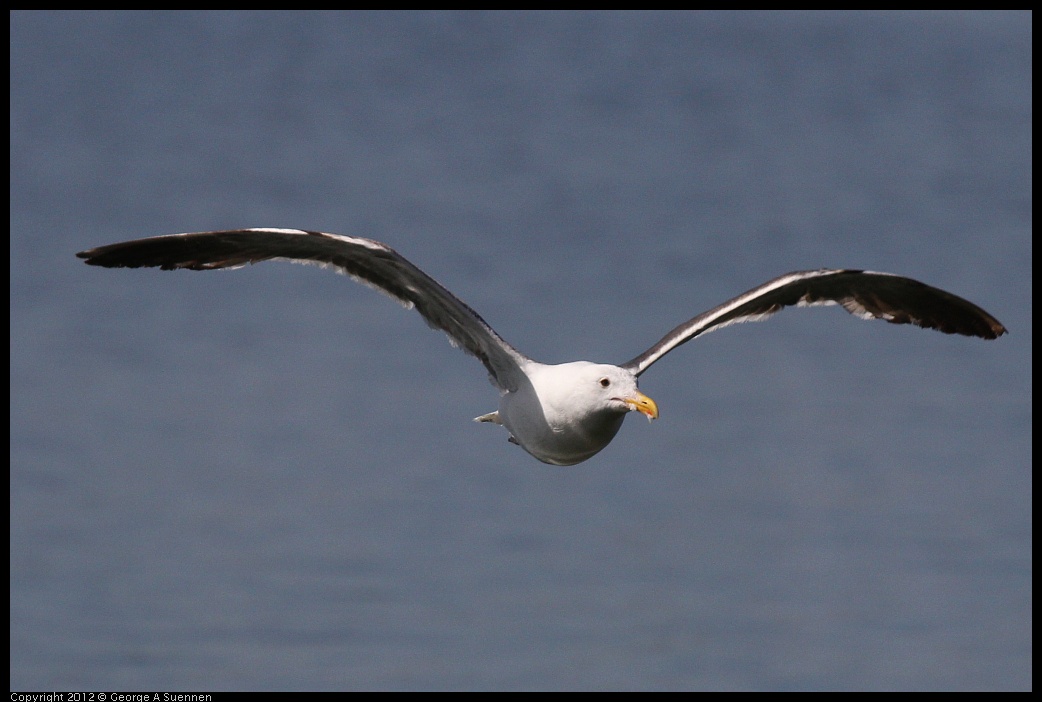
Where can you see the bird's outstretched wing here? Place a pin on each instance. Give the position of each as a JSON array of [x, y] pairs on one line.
[[864, 294], [367, 261]]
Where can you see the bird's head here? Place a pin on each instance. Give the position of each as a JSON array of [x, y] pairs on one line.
[[601, 387]]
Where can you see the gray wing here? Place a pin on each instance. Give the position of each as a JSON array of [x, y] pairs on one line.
[[367, 261], [864, 294]]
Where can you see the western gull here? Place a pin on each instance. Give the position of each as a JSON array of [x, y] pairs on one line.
[[562, 414]]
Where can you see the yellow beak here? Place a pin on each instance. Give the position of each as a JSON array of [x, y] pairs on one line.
[[643, 404]]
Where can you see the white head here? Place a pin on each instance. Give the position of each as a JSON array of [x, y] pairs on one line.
[[583, 389]]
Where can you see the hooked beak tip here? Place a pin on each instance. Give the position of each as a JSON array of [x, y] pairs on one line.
[[643, 404]]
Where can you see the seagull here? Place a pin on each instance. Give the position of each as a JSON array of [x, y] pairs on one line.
[[562, 414]]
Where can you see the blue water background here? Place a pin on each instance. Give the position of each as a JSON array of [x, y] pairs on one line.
[[268, 478]]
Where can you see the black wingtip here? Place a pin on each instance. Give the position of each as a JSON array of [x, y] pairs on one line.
[[94, 257]]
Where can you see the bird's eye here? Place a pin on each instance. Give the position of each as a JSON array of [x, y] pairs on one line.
[[604, 382]]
